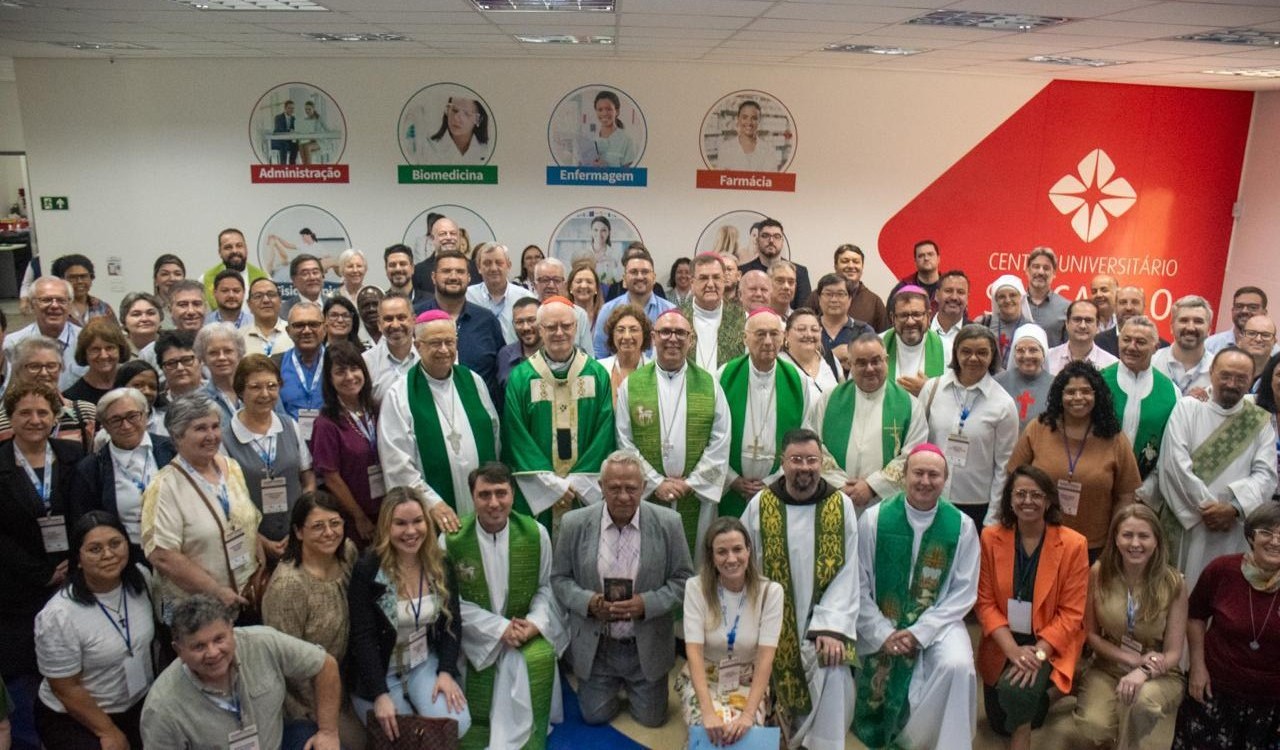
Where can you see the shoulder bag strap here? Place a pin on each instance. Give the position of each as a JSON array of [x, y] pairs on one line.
[[231, 574]]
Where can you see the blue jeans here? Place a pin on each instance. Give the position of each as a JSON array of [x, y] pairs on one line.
[[421, 681], [23, 694]]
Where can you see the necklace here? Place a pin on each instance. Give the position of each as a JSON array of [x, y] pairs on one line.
[[117, 610], [1254, 645], [758, 427], [454, 437], [667, 445]]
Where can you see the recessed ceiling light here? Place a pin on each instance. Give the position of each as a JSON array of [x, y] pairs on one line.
[[94, 46], [867, 49], [1081, 62], [354, 36], [562, 39], [1247, 73], [251, 4], [1247, 37], [960, 19], [537, 6]]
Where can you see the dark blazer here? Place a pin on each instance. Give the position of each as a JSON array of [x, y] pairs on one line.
[[1109, 342], [93, 484], [25, 568], [373, 636]]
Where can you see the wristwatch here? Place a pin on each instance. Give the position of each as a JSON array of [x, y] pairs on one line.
[[1041, 655]]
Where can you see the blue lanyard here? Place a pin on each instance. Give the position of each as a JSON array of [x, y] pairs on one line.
[[44, 483], [731, 634], [417, 607], [1071, 462], [125, 634], [1131, 611], [268, 455], [965, 406], [224, 499], [369, 428], [143, 478], [231, 705], [271, 343], [308, 388]]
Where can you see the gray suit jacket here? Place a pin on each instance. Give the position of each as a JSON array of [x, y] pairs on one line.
[[664, 566]]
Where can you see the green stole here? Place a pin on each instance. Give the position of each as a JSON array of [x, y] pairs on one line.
[[837, 421], [934, 361], [524, 546], [564, 405], [903, 593], [790, 686], [788, 412], [646, 428], [1152, 417], [432, 451]]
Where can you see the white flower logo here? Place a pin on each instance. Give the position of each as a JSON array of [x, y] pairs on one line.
[[1071, 194]]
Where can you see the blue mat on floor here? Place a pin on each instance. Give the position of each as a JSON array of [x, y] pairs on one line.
[[575, 734]]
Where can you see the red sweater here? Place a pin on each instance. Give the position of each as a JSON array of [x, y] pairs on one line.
[[1221, 598]]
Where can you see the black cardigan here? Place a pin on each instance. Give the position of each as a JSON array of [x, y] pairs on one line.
[[94, 484], [372, 638]]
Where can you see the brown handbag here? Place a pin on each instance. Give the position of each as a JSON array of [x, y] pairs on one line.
[[416, 733]]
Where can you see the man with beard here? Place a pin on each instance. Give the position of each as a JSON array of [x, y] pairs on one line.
[[755, 290], [639, 277], [864, 305], [397, 261], [497, 293], [269, 334], [228, 291], [953, 309], [479, 333], [1187, 361], [919, 558], [1082, 327], [806, 532], [301, 393], [1143, 397], [1102, 290], [1258, 340], [674, 414], [1130, 301], [717, 322], [524, 319], [1247, 302], [1217, 465], [445, 236], [768, 397], [186, 309], [235, 257], [550, 279], [1048, 308], [307, 275], [769, 242], [868, 425], [394, 354], [558, 421], [915, 352]]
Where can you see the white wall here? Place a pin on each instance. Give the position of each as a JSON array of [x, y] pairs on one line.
[[1255, 244], [154, 155], [10, 122]]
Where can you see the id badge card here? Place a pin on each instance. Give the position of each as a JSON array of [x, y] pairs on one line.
[[729, 676], [957, 451], [1128, 643], [377, 485], [275, 495], [417, 648], [237, 544], [244, 739], [306, 421], [53, 530], [1020, 616], [1069, 496], [135, 672]]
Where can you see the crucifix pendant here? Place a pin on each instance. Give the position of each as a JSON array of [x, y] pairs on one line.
[[455, 440], [1254, 645], [756, 450], [667, 448]]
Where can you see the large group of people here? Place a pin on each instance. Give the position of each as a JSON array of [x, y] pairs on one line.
[[232, 518]]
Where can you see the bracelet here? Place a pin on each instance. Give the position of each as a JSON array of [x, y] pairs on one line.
[[1146, 669]]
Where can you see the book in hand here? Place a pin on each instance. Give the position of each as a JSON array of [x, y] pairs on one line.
[[756, 738], [617, 589]]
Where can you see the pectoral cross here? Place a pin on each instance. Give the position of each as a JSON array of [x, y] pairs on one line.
[[1149, 452], [455, 440], [897, 440], [757, 450], [1025, 400]]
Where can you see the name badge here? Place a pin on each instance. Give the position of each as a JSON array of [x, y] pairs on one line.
[[306, 421], [53, 530], [1130, 644], [1020, 616], [729, 676], [244, 739], [135, 672], [377, 485], [957, 451], [1069, 496], [418, 650], [275, 495], [237, 544]]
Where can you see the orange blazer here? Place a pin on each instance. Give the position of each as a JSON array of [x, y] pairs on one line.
[[1057, 607]]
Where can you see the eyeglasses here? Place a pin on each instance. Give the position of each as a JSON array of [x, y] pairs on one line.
[[672, 333], [771, 235], [303, 325], [803, 461], [339, 316], [1265, 535], [1080, 321], [549, 279], [557, 327], [263, 387], [1258, 335], [1246, 307], [51, 301], [35, 368], [911, 315], [134, 418], [834, 294], [437, 343], [319, 527], [173, 364], [116, 546], [263, 296], [1036, 495]]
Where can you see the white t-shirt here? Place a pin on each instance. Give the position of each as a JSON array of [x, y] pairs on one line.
[[760, 623]]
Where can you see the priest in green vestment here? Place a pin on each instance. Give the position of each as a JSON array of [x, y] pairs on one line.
[[868, 425], [1143, 396], [557, 426], [919, 559], [806, 532], [437, 423], [915, 352], [512, 628], [674, 414]]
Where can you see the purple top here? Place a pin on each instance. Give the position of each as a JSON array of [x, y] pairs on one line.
[[340, 446]]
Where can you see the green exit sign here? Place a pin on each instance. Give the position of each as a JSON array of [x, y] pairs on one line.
[[54, 203]]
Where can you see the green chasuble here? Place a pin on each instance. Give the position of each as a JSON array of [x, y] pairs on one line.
[[646, 429], [837, 421], [433, 450], [735, 380], [790, 686], [935, 362], [1152, 417], [524, 545], [562, 424], [903, 593]]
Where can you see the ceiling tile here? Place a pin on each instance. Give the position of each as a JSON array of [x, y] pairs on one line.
[[842, 12], [1206, 14], [750, 8], [1072, 9]]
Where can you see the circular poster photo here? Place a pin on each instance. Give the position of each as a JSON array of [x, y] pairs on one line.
[[597, 126], [734, 233], [297, 123], [446, 123], [596, 235], [748, 131], [298, 230], [472, 230]]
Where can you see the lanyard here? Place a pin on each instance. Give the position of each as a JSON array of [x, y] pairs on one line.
[[231, 705], [271, 343], [308, 388], [731, 633], [368, 427], [965, 405], [142, 479], [125, 633], [268, 454], [223, 498], [1071, 462], [1130, 611], [1023, 570], [416, 607], [43, 483]]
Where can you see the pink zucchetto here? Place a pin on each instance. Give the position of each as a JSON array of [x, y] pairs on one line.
[[912, 289], [557, 298], [926, 447], [431, 316], [763, 311]]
